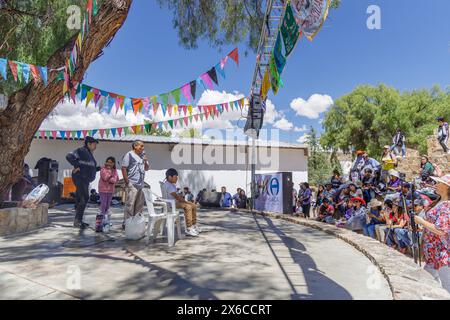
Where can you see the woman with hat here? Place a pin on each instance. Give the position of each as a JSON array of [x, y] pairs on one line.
[[358, 219], [436, 238], [397, 224], [373, 218], [388, 162], [395, 184]]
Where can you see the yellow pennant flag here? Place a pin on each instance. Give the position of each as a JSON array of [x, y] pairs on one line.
[[265, 87]]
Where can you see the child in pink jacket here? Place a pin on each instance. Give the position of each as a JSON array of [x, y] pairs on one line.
[[106, 185]]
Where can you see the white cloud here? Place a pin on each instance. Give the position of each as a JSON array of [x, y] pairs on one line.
[[302, 128], [271, 113], [312, 108], [283, 124], [69, 116], [303, 138]]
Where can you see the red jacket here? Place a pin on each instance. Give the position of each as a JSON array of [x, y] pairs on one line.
[[108, 179]]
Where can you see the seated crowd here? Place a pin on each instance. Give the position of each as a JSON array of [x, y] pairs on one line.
[[375, 200]]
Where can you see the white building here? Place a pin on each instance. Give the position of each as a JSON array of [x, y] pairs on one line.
[[200, 163]]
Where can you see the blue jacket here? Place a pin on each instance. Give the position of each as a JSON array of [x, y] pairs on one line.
[[84, 159], [226, 200]]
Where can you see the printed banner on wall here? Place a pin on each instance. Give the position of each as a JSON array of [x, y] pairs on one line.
[[270, 192]]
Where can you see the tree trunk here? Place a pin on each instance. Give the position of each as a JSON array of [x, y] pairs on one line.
[[27, 108]]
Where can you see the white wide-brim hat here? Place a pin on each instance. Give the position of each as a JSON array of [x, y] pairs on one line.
[[444, 179]]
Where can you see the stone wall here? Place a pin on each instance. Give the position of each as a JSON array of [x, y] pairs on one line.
[[411, 164], [18, 220]]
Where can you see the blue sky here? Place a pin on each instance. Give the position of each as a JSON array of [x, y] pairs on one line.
[[411, 51]]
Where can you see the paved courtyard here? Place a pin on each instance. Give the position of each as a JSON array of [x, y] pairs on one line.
[[236, 257]]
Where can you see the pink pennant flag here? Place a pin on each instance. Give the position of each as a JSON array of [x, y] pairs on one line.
[[43, 134], [175, 121], [142, 128], [165, 124], [54, 133], [206, 114], [185, 110], [102, 132], [186, 89], [223, 62], [119, 131], [225, 105], [196, 117], [155, 108], [154, 125], [146, 103], [186, 121], [199, 109], [85, 133], [207, 79]]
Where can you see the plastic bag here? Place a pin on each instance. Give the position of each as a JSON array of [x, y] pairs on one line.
[[35, 196], [135, 227]]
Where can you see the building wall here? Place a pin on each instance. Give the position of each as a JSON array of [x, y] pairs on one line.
[[208, 171]]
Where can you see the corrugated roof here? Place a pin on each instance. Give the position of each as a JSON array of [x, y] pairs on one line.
[[204, 141]]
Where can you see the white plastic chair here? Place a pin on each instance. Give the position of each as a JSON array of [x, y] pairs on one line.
[[165, 198], [156, 219]]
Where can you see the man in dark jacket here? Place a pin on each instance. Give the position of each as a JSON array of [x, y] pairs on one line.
[[85, 169]]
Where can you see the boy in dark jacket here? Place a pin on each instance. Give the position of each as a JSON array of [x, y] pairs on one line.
[[85, 169]]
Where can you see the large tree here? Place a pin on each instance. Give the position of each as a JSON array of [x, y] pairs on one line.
[[35, 31], [220, 21], [368, 117]]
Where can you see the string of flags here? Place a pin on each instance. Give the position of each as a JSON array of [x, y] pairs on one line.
[[102, 98], [301, 17], [22, 71], [71, 63], [204, 113]]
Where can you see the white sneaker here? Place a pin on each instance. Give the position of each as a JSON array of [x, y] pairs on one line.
[[197, 228], [191, 232]]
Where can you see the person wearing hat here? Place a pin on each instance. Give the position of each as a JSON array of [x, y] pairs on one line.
[[436, 236], [395, 184], [388, 162], [84, 172], [443, 134], [374, 217], [397, 223], [357, 220]]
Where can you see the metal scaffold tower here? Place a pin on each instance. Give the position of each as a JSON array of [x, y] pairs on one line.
[[273, 18]]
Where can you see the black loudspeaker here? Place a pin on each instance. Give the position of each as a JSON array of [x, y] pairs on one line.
[[211, 199], [43, 167]]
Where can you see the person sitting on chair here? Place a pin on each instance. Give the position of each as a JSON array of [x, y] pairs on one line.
[[190, 209]]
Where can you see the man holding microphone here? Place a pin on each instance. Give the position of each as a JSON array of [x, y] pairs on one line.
[[134, 165]]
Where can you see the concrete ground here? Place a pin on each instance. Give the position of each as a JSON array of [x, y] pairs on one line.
[[236, 257]]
